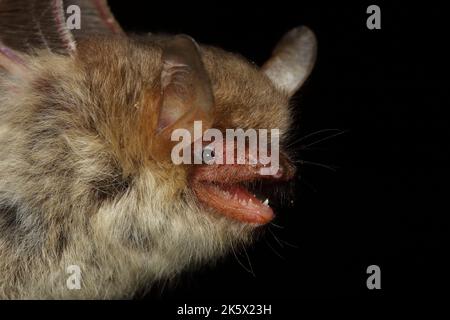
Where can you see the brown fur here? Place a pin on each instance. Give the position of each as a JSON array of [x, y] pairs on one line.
[[78, 183]]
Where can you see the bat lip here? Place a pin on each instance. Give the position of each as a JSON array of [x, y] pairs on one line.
[[225, 189], [235, 202]]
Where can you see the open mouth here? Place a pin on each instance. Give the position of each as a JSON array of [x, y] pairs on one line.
[[239, 192]]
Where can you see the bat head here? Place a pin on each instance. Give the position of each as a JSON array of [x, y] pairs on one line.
[[88, 169]]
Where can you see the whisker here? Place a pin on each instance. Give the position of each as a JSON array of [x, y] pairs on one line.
[[276, 239], [318, 164], [249, 262], [312, 134], [239, 261], [276, 225], [283, 242], [289, 244], [274, 251], [323, 139], [314, 149]]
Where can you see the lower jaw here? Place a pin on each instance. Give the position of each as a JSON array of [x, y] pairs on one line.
[[234, 202]]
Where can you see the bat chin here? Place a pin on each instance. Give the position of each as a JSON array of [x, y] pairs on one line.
[[231, 190]]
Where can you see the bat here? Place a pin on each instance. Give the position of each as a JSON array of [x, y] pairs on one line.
[[86, 177]]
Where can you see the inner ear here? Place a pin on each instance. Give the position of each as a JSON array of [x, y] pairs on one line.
[[186, 91]]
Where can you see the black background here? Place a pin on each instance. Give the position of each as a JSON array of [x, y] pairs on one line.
[[388, 90]]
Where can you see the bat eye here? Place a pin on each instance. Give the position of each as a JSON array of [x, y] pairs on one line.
[[208, 155]]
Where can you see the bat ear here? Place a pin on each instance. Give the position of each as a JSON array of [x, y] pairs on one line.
[[26, 25], [292, 60], [186, 91]]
